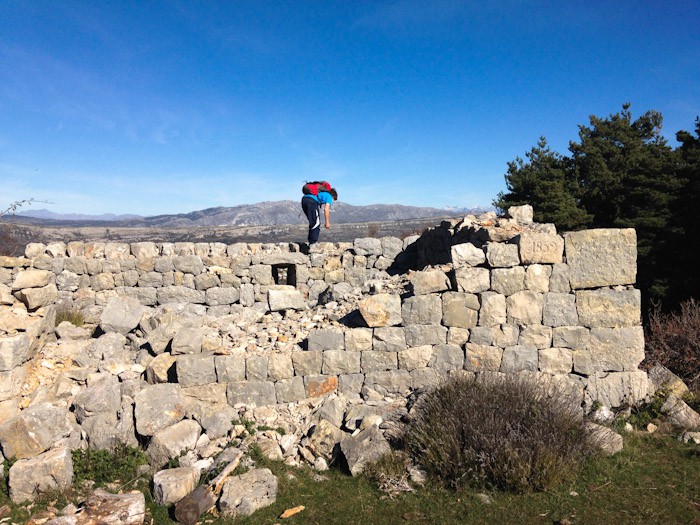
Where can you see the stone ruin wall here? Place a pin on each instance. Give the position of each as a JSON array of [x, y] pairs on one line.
[[476, 295]]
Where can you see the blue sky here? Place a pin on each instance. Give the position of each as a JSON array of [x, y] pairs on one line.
[[153, 107]]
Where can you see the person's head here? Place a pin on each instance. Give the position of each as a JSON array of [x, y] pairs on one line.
[[333, 193]]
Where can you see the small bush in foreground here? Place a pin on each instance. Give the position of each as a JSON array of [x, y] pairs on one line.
[[512, 434], [673, 340]]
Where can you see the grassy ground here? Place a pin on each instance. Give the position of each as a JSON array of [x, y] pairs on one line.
[[654, 480]]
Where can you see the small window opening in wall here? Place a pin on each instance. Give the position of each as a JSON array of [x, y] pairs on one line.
[[284, 274]]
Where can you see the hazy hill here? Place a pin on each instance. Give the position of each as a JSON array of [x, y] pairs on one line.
[[260, 214]]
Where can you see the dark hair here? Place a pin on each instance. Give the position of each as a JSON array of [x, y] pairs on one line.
[[333, 193]]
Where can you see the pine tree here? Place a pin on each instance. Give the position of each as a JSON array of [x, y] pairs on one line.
[[627, 173], [547, 183]]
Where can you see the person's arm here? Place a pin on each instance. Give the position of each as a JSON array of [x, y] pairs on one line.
[[327, 214]]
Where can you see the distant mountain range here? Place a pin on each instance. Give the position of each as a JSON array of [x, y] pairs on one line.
[[260, 214], [49, 215]]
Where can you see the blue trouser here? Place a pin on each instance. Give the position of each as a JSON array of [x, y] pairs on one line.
[[312, 209]]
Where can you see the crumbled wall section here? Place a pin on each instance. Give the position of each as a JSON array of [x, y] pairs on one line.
[[486, 294]]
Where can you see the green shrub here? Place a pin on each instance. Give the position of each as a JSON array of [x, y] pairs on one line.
[[673, 340], [103, 466], [72, 315], [508, 433]]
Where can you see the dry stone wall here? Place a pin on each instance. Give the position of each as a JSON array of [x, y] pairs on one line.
[[492, 295], [185, 341]]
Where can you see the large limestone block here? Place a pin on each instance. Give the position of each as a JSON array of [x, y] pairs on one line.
[[11, 382], [537, 277], [446, 358], [222, 296], [323, 439], [15, 350], [35, 298], [559, 310], [188, 339], [284, 258], [6, 297], [103, 396], [32, 278], [358, 339], [472, 280], [33, 431], [560, 281], [195, 370], [285, 297], [661, 378], [604, 257], [121, 315], [337, 362], [242, 495], [498, 335], [609, 308], [501, 255], [483, 358], [493, 309], [570, 336], [425, 334], [389, 382], [280, 366], [363, 449], [391, 247], [518, 358], [307, 363], [157, 407], [389, 339], [180, 294], [251, 393], [540, 248], [172, 441], [290, 390], [525, 308], [381, 310], [678, 413], [205, 281], [230, 368], [508, 281], [536, 335], [429, 281], [161, 368], [144, 250], [615, 389], [52, 470], [191, 264], [422, 309], [171, 485], [610, 350], [367, 246], [320, 385], [556, 360], [12, 262], [460, 309], [34, 249], [521, 214], [117, 250], [326, 339], [256, 368], [415, 357], [467, 254], [371, 361]]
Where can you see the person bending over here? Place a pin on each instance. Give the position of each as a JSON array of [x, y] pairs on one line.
[[318, 196]]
